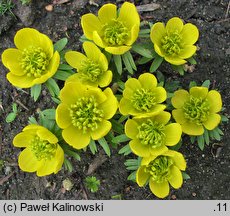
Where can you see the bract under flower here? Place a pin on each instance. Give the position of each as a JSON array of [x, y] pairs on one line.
[[152, 135], [93, 68], [33, 61], [115, 33], [197, 109], [84, 112], [160, 171], [175, 41], [142, 97], [42, 153]]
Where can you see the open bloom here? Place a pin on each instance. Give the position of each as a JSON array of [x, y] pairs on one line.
[[174, 42], [152, 135], [115, 33], [160, 171], [84, 112], [42, 154], [33, 61], [197, 109], [93, 68], [142, 97]]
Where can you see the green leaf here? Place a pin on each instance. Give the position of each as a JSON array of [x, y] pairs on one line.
[[68, 165], [143, 60], [32, 120], [206, 137], [140, 49], [160, 77], [156, 64], [60, 44], [216, 134], [191, 60], [224, 118], [10, 117], [53, 87], [179, 69], [131, 162], [65, 67], [206, 83], [93, 147], [200, 141], [63, 75], [192, 139], [120, 139], [132, 176], [14, 107], [131, 61], [49, 114], [144, 31], [118, 63], [127, 64], [35, 91], [177, 146], [122, 118], [220, 131], [105, 146], [192, 84], [57, 101], [125, 150], [185, 176], [73, 154], [117, 127]]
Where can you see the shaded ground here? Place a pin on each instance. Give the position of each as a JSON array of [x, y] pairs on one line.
[[210, 175]]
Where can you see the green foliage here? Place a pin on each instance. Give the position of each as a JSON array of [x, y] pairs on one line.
[[5, 7], [103, 143], [25, 2], [92, 183], [129, 63], [11, 116], [133, 165], [68, 165], [35, 91], [53, 87], [60, 44]]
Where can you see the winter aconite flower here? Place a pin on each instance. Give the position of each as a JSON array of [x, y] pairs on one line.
[[197, 109], [93, 68], [33, 61], [42, 153], [174, 42], [84, 112], [152, 135], [113, 31], [142, 97], [160, 171]]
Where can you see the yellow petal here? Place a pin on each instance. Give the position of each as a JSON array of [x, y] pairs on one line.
[[131, 129], [163, 117], [158, 31], [160, 94], [158, 151], [23, 139], [215, 101], [133, 35], [63, 116], [178, 160], [120, 50], [154, 111], [59, 156], [97, 93], [141, 176], [27, 161], [192, 129], [175, 24], [213, 121], [159, 50], [139, 149], [103, 62], [147, 80], [180, 97], [107, 12], [32, 128], [46, 167], [75, 137], [189, 34], [161, 190], [45, 134], [53, 65], [90, 23], [46, 44], [199, 92], [103, 128], [129, 15], [106, 78], [178, 115], [20, 81], [176, 179], [176, 60], [92, 51], [146, 160], [75, 59], [110, 105], [126, 107], [133, 84], [187, 51], [98, 39], [173, 133]]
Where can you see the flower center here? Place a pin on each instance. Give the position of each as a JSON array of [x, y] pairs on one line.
[[196, 110], [115, 33], [85, 114], [42, 149], [143, 100], [171, 44], [89, 70], [159, 169], [151, 133], [34, 61]]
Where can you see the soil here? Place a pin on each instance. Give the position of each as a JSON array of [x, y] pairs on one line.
[[209, 169]]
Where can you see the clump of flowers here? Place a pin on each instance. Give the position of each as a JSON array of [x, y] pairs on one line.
[[197, 109], [42, 153], [93, 68], [84, 112], [161, 170], [115, 33], [152, 135], [175, 41], [33, 61], [142, 97]]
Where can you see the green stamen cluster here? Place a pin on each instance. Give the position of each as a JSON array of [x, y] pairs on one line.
[[171, 44], [196, 110], [85, 114], [159, 169], [115, 33], [34, 61], [151, 133], [143, 99], [90, 71], [42, 149]]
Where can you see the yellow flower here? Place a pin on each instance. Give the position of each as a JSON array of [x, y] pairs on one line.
[[142, 97], [160, 170], [42, 154], [84, 112], [197, 109], [151, 136], [115, 33], [92, 68], [33, 61], [174, 42]]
